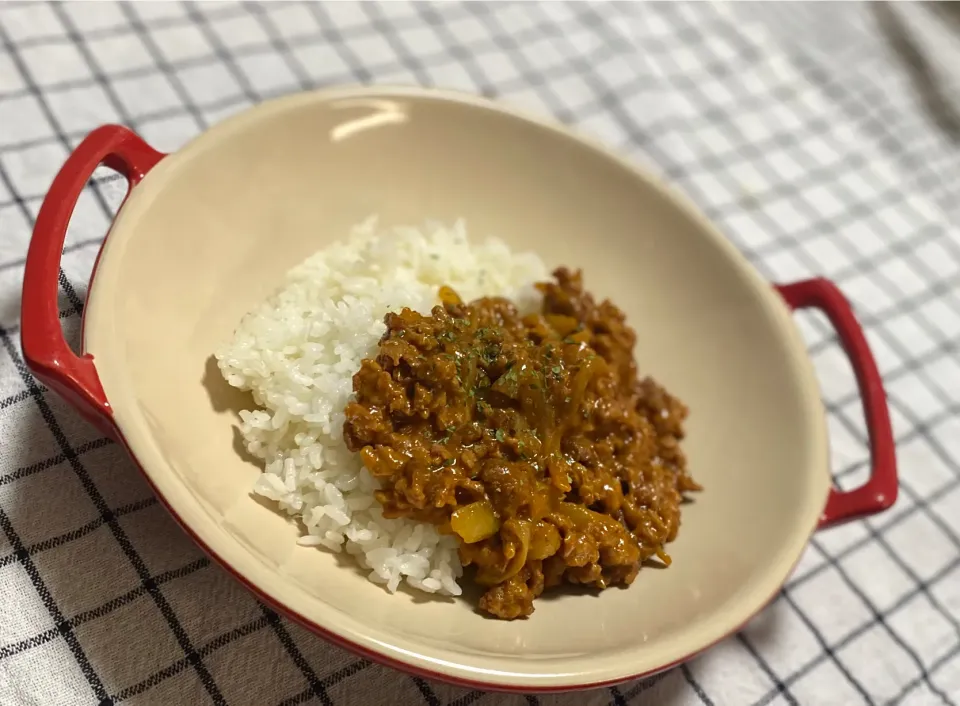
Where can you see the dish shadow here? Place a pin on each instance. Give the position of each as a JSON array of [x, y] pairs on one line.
[[571, 589], [224, 397]]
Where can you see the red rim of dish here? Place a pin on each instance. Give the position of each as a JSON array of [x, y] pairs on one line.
[[75, 378]]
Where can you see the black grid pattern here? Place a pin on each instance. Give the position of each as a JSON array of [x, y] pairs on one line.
[[797, 130]]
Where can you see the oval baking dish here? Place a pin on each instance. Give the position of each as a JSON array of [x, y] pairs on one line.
[[209, 230]]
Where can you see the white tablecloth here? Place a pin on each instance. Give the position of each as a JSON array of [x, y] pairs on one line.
[[822, 140]]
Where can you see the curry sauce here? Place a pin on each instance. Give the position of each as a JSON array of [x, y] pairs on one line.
[[530, 438]]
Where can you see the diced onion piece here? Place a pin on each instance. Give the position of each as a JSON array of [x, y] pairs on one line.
[[448, 297], [583, 517], [563, 325], [475, 522]]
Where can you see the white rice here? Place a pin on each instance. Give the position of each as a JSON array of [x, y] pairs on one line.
[[297, 353]]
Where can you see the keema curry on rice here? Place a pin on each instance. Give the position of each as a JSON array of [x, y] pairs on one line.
[[530, 439]]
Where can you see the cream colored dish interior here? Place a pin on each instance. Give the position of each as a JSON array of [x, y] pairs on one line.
[[212, 229]]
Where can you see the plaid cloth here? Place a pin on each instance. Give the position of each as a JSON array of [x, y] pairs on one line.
[[821, 140]]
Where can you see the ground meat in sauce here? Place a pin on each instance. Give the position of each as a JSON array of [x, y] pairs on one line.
[[530, 438]]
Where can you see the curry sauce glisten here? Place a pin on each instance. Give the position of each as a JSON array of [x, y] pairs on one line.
[[530, 438]]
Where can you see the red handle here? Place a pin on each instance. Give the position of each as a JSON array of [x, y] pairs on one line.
[[45, 349], [880, 491]]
